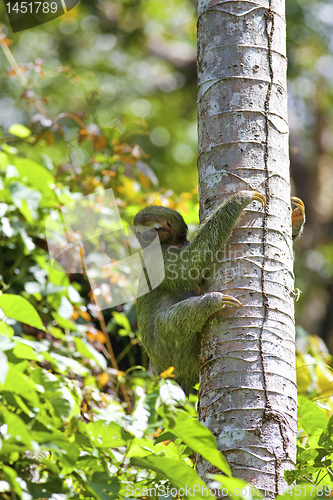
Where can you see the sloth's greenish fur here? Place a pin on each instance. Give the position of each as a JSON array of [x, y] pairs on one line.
[[172, 316]]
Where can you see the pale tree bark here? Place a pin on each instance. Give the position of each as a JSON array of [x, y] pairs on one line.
[[248, 380]]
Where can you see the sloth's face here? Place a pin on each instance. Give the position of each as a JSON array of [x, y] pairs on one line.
[[166, 222], [162, 228]]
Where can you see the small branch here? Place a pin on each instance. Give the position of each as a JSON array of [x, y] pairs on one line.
[[101, 320], [20, 75], [113, 359], [73, 117]]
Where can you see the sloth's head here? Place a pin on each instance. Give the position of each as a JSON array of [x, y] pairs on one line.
[[168, 223]]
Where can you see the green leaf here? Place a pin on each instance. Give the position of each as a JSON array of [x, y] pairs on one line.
[[64, 323], [138, 451], [56, 332], [122, 320], [233, 486], [9, 149], [199, 439], [26, 200], [6, 329], [68, 453], [38, 347], [62, 402], [178, 473], [311, 418], [36, 175], [48, 489], [107, 436], [10, 475], [103, 486], [45, 379], [17, 428], [326, 439], [23, 351], [3, 160], [19, 130], [88, 351], [16, 307], [165, 436], [18, 383], [63, 363]]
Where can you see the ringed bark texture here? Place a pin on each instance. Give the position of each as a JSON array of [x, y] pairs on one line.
[[248, 391]]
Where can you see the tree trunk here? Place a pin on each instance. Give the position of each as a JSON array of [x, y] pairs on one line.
[[248, 379]]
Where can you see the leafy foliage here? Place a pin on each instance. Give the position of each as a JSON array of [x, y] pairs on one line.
[[61, 432]]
